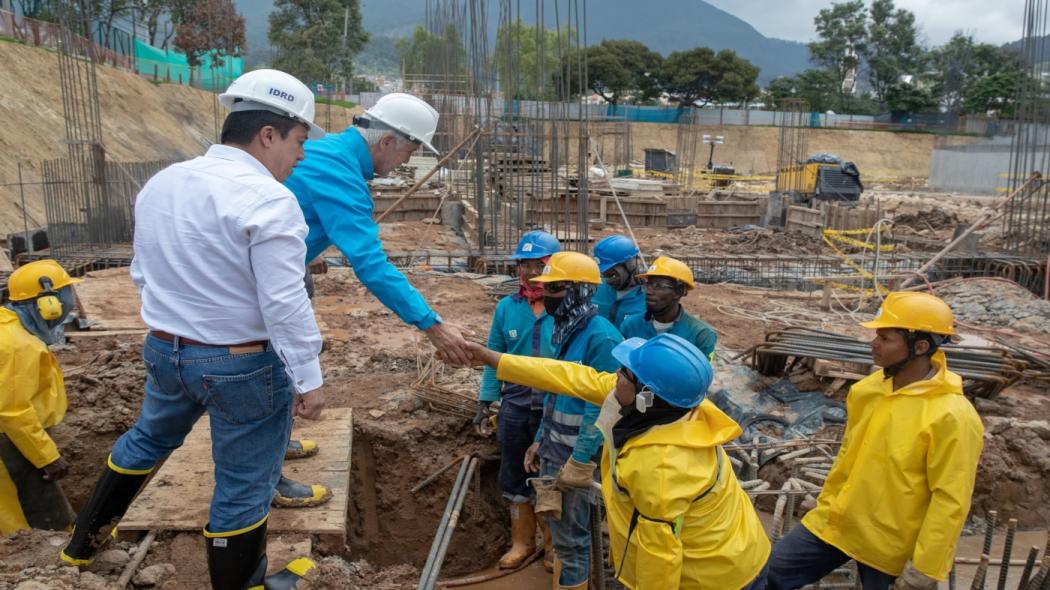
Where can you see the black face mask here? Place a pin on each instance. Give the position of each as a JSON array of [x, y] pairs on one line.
[[551, 304]]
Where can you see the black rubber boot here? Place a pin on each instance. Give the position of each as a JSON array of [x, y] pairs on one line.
[[97, 522], [238, 562]]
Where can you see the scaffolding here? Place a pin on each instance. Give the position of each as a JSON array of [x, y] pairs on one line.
[[1026, 226]]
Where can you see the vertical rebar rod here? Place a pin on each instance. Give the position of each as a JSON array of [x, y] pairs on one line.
[[1029, 565], [1008, 547]]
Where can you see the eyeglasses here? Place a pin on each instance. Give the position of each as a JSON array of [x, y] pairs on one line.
[[555, 287], [651, 285]]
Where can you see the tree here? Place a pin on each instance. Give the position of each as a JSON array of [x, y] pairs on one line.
[[842, 34], [905, 97], [211, 26], [105, 12], [424, 54], [996, 92], [621, 69], [817, 87], [154, 13], [892, 49], [528, 61], [973, 78], [308, 38], [701, 75]]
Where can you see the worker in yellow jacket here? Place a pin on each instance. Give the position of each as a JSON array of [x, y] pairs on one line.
[[678, 517], [33, 398], [899, 492]]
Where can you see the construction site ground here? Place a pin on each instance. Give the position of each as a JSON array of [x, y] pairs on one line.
[[371, 361]]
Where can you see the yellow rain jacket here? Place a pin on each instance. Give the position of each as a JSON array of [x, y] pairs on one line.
[[901, 485], [714, 543], [32, 398]]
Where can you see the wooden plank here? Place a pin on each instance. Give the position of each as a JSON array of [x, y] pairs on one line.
[[177, 498]]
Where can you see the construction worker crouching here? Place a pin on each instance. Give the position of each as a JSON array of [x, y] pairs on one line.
[[899, 491], [568, 442], [665, 283], [220, 256], [34, 398], [620, 294], [677, 515], [520, 325]]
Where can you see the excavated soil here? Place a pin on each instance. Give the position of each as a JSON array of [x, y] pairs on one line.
[[370, 364]]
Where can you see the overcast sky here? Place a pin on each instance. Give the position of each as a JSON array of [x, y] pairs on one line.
[[989, 21]]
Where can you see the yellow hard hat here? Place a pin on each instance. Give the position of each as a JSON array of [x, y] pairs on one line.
[[920, 312], [570, 267], [665, 266], [24, 283]]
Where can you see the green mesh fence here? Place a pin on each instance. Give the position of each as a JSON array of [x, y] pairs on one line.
[[171, 66]]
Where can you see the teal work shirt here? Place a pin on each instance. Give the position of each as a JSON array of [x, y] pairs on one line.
[[568, 423], [615, 310], [516, 330], [330, 185], [693, 329]]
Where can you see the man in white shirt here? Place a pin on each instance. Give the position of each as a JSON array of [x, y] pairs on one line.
[[219, 260]]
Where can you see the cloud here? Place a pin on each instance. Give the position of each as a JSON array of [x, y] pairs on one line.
[[988, 22]]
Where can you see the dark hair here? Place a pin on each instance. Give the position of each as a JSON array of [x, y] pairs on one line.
[[241, 127]]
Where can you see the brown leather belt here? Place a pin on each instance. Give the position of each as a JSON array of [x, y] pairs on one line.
[[242, 348]]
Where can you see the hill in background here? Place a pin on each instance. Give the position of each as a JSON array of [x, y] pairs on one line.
[[663, 25]]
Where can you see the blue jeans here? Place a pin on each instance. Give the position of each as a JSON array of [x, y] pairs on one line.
[[801, 558], [516, 428], [248, 398], [571, 535]]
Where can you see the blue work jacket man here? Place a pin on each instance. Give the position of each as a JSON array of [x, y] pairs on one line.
[[331, 186]]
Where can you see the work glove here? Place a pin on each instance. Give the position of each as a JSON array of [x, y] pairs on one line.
[[913, 579], [576, 475], [548, 498], [480, 421]]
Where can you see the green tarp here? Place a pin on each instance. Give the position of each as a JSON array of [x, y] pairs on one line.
[[171, 66]]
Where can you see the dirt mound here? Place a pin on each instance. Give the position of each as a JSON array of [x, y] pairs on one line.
[[693, 241], [933, 219], [105, 392], [141, 120], [997, 304]]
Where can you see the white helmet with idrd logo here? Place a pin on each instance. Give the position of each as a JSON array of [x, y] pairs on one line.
[[274, 91], [408, 115]]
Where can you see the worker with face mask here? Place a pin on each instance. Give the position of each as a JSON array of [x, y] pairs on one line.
[[677, 515], [568, 442], [520, 325], [620, 293], [33, 397], [665, 283], [899, 491]]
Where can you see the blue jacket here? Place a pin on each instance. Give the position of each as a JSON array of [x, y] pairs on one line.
[[568, 423], [330, 185], [695, 330], [616, 310], [515, 329]]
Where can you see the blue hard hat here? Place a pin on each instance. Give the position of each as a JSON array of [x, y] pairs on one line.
[[536, 244], [670, 366], [614, 250]]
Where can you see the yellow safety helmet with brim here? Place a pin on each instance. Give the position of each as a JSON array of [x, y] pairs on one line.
[[665, 266], [914, 311], [25, 282], [570, 267]]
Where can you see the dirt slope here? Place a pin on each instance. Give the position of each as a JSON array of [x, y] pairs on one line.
[[140, 121]]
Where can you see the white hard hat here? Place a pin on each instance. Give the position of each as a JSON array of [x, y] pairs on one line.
[[409, 115], [275, 91]]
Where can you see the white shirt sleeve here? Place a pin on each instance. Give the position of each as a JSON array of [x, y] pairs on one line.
[[277, 234]]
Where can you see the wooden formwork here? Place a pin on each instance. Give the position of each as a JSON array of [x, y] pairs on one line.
[[814, 220], [417, 207], [726, 214]]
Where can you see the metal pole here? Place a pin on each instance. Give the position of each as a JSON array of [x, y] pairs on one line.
[[425, 574], [25, 219], [435, 568]]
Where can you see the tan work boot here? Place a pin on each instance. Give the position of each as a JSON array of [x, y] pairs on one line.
[[556, 573], [548, 545], [522, 534]]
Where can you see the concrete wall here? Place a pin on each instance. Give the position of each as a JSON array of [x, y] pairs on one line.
[[981, 168]]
